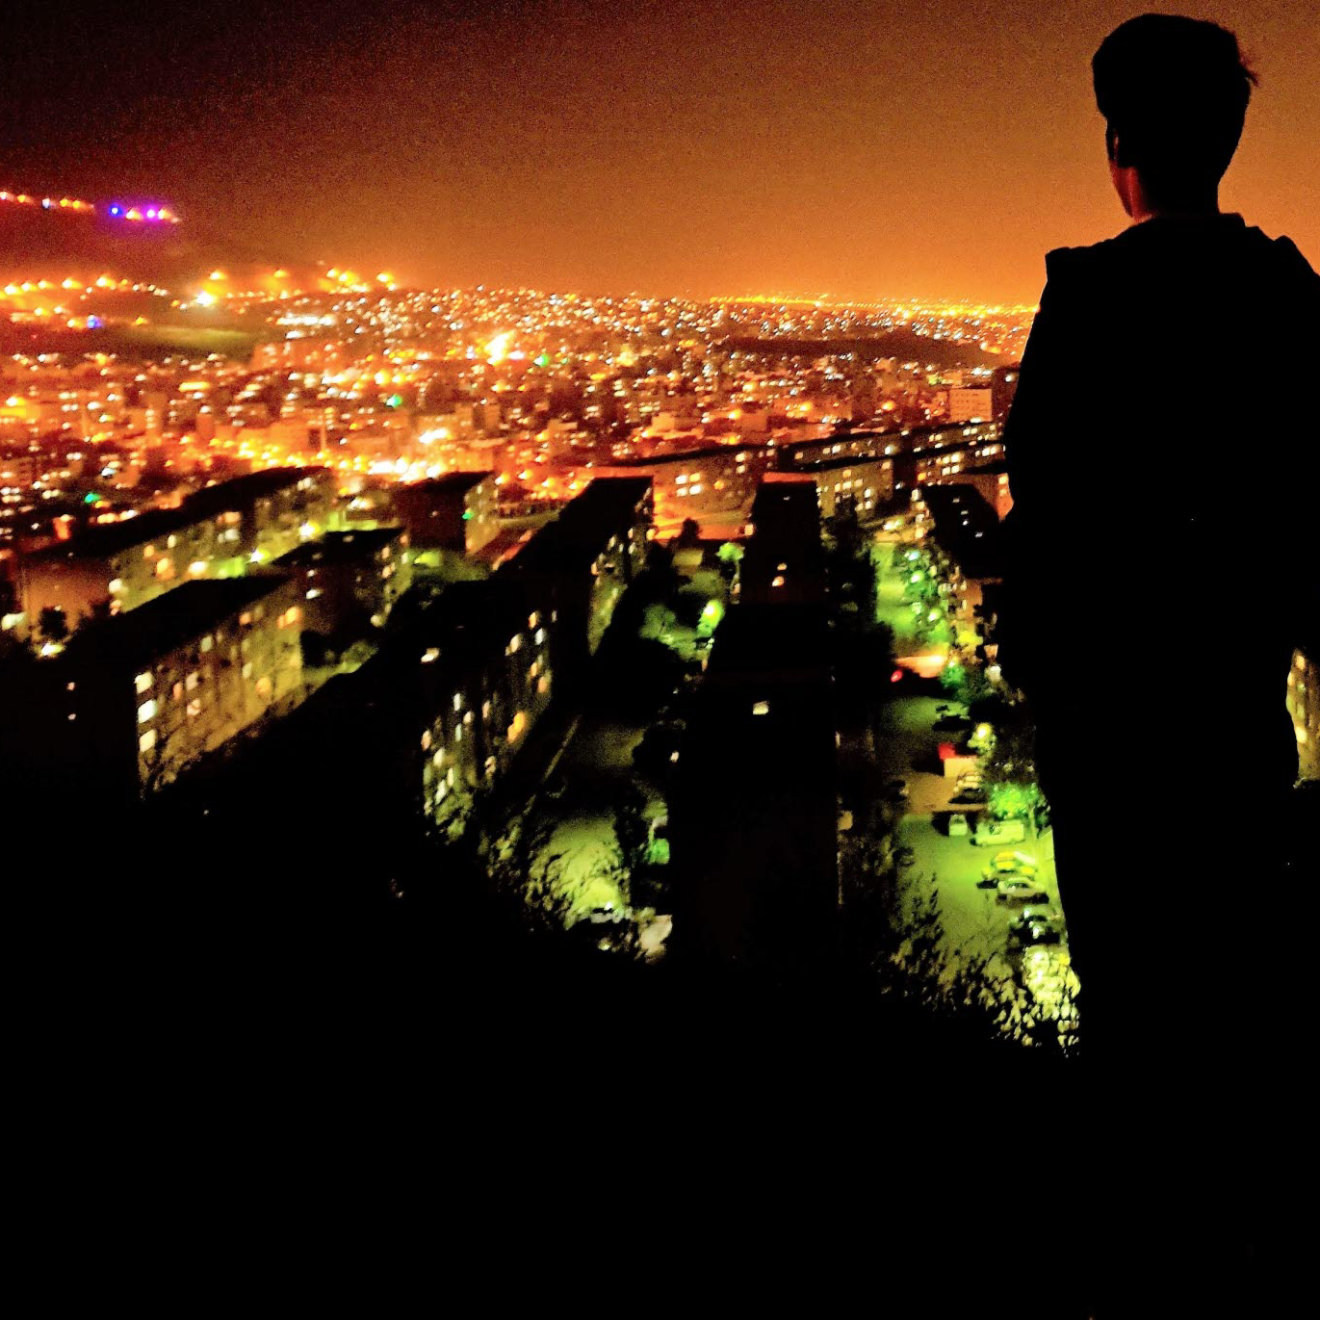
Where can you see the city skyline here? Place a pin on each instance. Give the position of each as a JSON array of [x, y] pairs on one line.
[[822, 149]]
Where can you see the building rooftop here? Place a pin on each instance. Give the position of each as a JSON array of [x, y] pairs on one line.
[[689, 456], [967, 527], [787, 507], [607, 508], [102, 540], [829, 464], [140, 636], [340, 548], [452, 483]]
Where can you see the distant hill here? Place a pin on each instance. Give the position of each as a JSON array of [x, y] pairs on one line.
[[130, 341], [36, 242], [904, 345]]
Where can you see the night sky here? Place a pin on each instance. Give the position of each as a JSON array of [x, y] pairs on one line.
[[852, 149]]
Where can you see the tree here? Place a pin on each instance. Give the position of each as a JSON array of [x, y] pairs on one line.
[[729, 557], [658, 622], [1012, 759], [894, 933], [632, 829], [689, 535], [53, 625]]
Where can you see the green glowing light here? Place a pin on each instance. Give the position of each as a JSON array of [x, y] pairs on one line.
[[542, 360], [91, 497], [395, 400]]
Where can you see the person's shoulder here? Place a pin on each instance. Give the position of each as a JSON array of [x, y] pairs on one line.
[[1288, 256], [1078, 264], [1076, 260]]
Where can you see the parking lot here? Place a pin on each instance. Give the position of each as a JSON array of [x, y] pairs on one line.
[[975, 919]]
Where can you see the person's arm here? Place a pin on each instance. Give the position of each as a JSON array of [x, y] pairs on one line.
[[1037, 408]]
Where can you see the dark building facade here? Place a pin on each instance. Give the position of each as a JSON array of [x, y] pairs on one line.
[[754, 808]]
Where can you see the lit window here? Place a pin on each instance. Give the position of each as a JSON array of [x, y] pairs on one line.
[[515, 643], [760, 708], [194, 708], [533, 619], [147, 741], [116, 585], [143, 682], [517, 727], [193, 680], [777, 581], [543, 685], [426, 740], [458, 701], [147, 711], [430, 655], [207, 643]]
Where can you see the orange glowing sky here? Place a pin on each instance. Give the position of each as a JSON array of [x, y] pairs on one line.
[[856, 150]]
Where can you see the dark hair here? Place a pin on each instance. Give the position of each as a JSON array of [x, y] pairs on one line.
[[1174, 94]]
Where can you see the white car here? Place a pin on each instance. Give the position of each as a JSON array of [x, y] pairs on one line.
[[1016, 889]]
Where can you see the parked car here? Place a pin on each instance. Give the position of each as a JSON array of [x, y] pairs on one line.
[[1010, 862], [1018, 889], [1037, 932], [1035, 915], [958, 827], [1048, 912], [972, 797], [969, 779], [999, 831]]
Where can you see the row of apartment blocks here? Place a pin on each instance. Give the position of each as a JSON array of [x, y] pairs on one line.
[[491, 654], [139, 695], [135, 699], [220, 531], [437, 717], [855, 472]]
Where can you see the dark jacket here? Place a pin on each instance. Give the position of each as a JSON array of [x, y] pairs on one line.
[[1164, 459]]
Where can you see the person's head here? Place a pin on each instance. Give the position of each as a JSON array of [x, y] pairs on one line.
[[1174, 94]]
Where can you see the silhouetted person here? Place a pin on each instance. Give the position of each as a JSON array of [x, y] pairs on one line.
[[1163, 452]]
